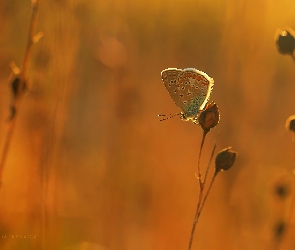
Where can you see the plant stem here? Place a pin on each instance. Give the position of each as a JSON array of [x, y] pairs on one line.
[[290, 218], [199, 210], [206, 195], [6, 146], [199, 159], [201, 201], [200, 194], [30, 42], [23, 77], [196, 217], [211, 158]]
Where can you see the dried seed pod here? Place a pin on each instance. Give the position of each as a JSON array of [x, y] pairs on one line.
[[285, 42], [209, 118], [282, 190], [12, 113], [225, 159], [280, 229], [16, 87], [290, 123]]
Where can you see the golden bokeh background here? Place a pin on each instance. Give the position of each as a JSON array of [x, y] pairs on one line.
[[90, 166]]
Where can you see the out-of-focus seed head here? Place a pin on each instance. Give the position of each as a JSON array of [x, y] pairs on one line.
[[282, 191], [280, 229], [290, 123], [209, 118], [285, 42], [225, 159], [18, 87]]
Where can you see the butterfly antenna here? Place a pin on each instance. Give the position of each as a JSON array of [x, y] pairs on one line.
[[166, 117]]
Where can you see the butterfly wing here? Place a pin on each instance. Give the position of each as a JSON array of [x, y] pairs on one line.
[[190, 89], [170, 78], [199, 87]]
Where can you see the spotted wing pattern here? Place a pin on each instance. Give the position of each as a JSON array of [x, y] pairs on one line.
[[190, 89]]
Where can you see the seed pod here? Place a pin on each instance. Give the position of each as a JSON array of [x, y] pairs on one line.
[[290, 123], [280, 229], [16, 87], [225, 159], [210, 117], [285, 42]]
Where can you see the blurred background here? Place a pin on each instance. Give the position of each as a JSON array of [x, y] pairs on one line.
[[90, 165]]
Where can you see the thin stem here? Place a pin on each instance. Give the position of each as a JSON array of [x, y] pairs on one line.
[[199, 210], [291, 216], [201, 201], [196, 217], [199, 159], [6, 146], [206, 195], [22, 76], [205, 178], [200, 194], [30, 42], [211, 158]]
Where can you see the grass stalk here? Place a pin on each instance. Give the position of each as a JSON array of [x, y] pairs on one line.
[[22, 75]]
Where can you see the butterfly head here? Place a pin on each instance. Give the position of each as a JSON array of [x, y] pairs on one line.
[[186, 117]]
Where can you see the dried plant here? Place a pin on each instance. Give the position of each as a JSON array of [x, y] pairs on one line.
[[224, 160], [285, 42], [18, 82], [190, 90], [284, 230]]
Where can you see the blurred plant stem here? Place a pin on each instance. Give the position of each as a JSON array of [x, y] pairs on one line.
[[22, 75], [201, 200], [289, 234]]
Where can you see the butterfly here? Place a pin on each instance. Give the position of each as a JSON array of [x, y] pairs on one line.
[[190, 90]]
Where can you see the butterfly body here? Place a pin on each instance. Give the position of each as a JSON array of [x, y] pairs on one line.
[[190, 90]]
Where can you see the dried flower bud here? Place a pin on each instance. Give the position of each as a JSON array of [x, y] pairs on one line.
[[285, 42], [282, 191], [210, 117], [290, 123], [225, 159], [280, 229], [16, 87]]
